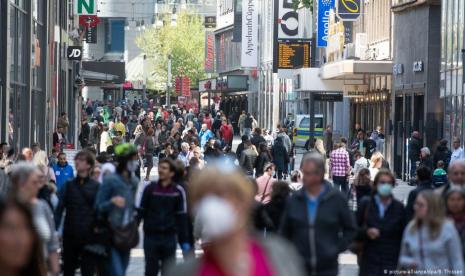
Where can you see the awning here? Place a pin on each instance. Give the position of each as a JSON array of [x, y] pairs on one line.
[[107, 72], [355, 69]]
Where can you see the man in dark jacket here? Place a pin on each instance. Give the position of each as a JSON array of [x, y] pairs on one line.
[[77, 201], [257, 138], [414, 146], [85, 134], [317, 219], [442, 153], [240, 147], [423, 183], [248, 157], [164, 212]]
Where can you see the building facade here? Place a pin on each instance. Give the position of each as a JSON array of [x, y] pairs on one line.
[[416, 79], [36, 79], [451, 68], [359, 53]]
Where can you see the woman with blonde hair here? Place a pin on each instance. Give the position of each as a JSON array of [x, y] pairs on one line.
[[222, 200], [430, 241], [319, 146], [376, 163]]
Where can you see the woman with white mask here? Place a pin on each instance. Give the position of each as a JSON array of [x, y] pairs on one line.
[[222, 201]]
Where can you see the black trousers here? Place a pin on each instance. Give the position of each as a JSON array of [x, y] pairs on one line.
[[74, 256], [160, 251], [341, 181]]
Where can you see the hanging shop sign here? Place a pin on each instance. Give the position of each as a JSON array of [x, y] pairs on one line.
[[288, 21], [74, 52], [89, 21], [355, 91], [207, 85], [224, 13], [249, 42], [91, 35], [324, 9], [85, 7], [348, 10], [331, 97], [209, 63], [210, 22], [418, 66]]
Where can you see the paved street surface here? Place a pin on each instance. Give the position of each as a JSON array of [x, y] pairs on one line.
[[347, 261]]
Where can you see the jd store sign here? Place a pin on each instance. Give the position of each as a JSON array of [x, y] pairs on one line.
[[85, 7], [74, 53]]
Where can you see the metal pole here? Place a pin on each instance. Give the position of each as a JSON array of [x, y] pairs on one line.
[[312, 116], [169, 83]]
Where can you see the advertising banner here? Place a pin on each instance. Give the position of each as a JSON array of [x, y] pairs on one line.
[[348, 10], [209, 52], [85, 7], [324, 9], [249, 33], [224, 13]]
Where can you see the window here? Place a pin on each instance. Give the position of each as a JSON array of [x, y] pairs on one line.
[[114, 36]]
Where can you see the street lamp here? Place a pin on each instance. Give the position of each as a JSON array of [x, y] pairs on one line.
[[168, 86]]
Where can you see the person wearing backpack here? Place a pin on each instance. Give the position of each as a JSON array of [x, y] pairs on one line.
[[116, 204], [77, 201]]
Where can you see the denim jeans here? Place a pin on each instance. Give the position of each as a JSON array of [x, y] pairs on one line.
[[119, 262], [247, 131], [158, 250]]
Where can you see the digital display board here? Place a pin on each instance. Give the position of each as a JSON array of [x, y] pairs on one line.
[[293, 54]]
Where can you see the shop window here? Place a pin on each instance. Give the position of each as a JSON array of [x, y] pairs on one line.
[[114, 36]]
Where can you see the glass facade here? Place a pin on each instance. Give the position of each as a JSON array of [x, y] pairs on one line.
[[114, 36], [451, 80]]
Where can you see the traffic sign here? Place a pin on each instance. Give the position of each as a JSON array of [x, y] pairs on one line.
[[85, 7]]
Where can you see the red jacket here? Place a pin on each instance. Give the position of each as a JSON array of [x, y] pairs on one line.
[[226, 132]]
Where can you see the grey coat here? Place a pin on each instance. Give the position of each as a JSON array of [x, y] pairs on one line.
[[441, 254], [281, 256]]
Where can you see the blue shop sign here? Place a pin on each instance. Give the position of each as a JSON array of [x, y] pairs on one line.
[[324, 9]]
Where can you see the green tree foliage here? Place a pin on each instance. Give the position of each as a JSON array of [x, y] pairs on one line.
[[299, 4], [185, 43]]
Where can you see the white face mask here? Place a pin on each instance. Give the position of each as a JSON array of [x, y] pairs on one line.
[[132, 165], [215, 217]]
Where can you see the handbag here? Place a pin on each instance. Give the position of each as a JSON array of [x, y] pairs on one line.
[[358, 246], [126, 237]]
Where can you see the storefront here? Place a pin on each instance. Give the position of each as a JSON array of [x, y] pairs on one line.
[[451, 76], [416, 76], [371, 108]]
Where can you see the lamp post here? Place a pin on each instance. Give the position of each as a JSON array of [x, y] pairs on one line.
[[169, 84]]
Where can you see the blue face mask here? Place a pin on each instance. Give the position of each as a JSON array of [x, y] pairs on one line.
[[385, 189]]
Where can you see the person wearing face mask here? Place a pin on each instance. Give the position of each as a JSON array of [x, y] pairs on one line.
[[115, 203], [222, 200], [164, 212], [381, 220]]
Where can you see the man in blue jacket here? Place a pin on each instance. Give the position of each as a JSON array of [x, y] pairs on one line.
[[63, 171], [317, 219]]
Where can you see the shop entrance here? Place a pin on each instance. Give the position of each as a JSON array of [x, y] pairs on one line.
[[409, 117]]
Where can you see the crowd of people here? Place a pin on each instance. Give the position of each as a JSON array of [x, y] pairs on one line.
[[246, 211]]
